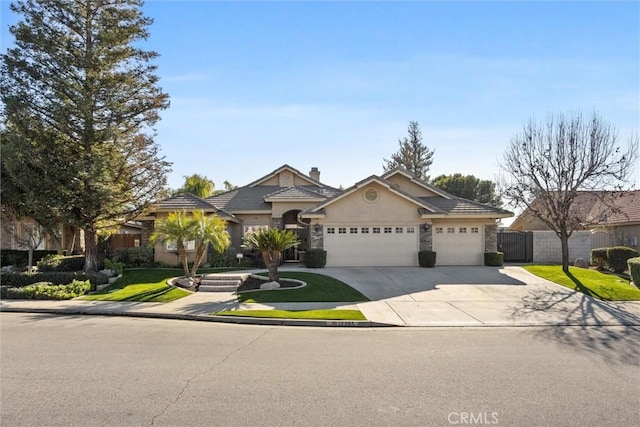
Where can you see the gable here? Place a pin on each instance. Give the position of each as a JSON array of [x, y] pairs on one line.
[[371, 203], [285, 176], [408, 185]]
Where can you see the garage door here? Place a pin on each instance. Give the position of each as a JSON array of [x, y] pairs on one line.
[[458, 244], [390, 245]]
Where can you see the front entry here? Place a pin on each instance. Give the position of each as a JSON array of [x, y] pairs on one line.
[[290, 222]]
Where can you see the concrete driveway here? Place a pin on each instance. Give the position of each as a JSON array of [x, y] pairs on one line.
[[468, 296]]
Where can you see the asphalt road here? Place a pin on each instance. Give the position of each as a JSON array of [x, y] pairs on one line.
[[89, 370]]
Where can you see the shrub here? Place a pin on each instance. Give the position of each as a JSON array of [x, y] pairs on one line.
[[618, 256], [315, 258], [61, 263], [599, 258], [47, 290], [634, 270], [20, 258], [427, 259], [19, 280], [115, 266], [226, 259], [141, 256], [493, 259]]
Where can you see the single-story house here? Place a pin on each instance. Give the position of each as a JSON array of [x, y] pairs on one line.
[[380, 221], [611, 218]]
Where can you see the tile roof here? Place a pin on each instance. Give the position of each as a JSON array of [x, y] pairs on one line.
[[190, 202], [252, 198], [614, 208], [296, 193], [459, 206]]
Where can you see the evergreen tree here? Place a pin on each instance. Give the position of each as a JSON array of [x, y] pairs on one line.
[[469, 187], [413, 155], [79, 101]]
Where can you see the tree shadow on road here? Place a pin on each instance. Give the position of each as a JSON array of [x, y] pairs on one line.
[[607, 329]]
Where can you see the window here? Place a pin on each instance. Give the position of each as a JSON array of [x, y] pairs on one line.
[[365, 230], [438, 230], [474, 230], [376, 230], [399, 230], [331, 230], [353, 230], [411, 230], [462, 229], [387, 230], [451, 229], [188, 245], [342, 230]]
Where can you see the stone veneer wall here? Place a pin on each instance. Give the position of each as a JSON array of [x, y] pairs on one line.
[[147, 230], [490, 238], [276, 223], [316, 240], [426, 238]]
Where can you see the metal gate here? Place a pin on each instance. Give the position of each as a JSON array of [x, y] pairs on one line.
[[517, 246]]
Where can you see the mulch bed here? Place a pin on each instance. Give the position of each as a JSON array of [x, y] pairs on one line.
[[253, 283]]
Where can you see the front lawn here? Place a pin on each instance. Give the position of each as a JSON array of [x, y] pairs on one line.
[[145, 285], [320, 288], [297, 314], [607, 287]]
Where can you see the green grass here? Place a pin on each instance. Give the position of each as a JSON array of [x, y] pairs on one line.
[[607, 287], [297, 314], [144, 285], [320, 288]]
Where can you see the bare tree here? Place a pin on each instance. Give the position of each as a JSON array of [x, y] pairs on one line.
[[549, 165]]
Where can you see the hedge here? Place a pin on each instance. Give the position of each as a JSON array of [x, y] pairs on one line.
[[494, 259], [47, 291], [61, 263], [618, 256], [19, 280], [427, 259], [21, 258], [599, 258], [315, 258], [634, 270]]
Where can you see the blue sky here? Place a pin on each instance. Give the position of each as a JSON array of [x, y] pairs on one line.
[[254, 85]]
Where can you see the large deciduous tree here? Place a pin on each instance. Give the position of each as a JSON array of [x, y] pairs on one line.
[[413, 155], [469, 187], [549, 164], [80, 99]]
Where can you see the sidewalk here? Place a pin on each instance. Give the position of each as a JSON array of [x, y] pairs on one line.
[[525, 300]]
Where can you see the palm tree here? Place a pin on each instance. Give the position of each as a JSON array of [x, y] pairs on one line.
[[209, 229], [198, 185], [271, 243], [177, 228]]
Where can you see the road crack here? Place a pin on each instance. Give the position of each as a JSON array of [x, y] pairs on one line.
[[188, 381]]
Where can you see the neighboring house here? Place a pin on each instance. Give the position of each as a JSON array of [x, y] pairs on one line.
[[380, 221], [601, 226]]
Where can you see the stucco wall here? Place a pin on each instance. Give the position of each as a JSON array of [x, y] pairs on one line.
[[387, 209], [546, 246]]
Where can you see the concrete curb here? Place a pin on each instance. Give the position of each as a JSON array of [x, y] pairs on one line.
[[298, 322]]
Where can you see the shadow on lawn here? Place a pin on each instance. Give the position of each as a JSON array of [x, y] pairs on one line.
[[607, 329], [148, 295]]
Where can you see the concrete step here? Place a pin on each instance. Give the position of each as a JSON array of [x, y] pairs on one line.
[[217, 288], [218, 276], [235, 282]]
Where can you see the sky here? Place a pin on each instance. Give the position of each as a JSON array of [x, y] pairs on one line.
[[333, 85]]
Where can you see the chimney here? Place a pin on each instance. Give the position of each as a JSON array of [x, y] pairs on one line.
[[315, 174]]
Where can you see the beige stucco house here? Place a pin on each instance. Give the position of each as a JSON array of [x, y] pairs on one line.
[[611, 218], [380, 221]]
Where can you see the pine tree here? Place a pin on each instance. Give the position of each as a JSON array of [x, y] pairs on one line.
[[413, 155], [80, 99]]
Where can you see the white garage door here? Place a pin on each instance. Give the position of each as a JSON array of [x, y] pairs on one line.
[[371, 245], [458, 244]]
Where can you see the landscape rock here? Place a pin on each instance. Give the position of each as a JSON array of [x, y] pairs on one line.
[[270, 285], [581, 262], [186, 282]]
